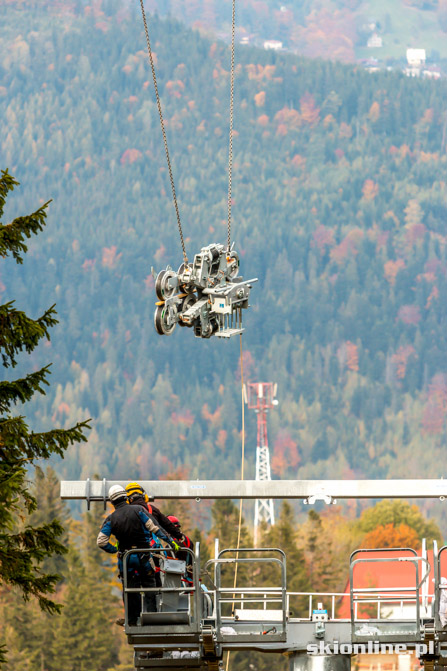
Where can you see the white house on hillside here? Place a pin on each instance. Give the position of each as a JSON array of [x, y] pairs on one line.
[[374, 41], [416, 57], [273, 44], [416, 61]]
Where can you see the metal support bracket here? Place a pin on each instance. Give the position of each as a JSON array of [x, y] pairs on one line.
[[329, 500], [320, 630]]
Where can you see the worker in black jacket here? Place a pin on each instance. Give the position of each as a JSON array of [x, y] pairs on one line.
[[132, 527], [138, 497]]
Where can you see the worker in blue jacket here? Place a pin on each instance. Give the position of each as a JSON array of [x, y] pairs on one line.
[[132, 527]]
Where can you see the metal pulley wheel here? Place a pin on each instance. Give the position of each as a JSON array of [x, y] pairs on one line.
[[209, 329], [162, 287], [187, 287], [165, 319], [189, 300], [234, 264]]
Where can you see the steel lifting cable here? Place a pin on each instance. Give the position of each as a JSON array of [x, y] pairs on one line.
[[242, 477], [230, 144], [165, 141]]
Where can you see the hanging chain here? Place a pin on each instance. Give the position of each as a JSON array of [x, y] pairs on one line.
[[230, 147], [185, 258]]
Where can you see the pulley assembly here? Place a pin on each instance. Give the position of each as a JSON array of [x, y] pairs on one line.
[[206, 295]]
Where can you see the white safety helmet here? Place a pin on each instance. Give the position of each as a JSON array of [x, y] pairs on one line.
[[116, 492]]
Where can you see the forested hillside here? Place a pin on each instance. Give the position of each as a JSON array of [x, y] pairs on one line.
[[334, 29], [339, 208]]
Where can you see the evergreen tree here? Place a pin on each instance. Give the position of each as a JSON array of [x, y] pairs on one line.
[[24, 627], [284, 535], [23, 546], [89, 596], [84, 622], [101, 568], [225, 517], [50, 507], [322, 560]]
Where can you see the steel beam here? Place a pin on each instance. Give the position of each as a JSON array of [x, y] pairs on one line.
[[307, 490]]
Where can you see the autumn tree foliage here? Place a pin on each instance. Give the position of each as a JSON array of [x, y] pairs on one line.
[[435, 410], [396, 518], [370, 190], [391, 268], [285, 453], [348, 355], [400, 359], [323, 238], [391, 536]]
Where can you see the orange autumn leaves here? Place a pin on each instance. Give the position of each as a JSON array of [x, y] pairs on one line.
[[289, 119], [259, 99], [435, 411], [391, 268], [390, 536], [400, 360], [285, 453], [370, 190]]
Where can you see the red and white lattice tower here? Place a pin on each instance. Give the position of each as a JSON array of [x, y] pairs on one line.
[[260, 397]]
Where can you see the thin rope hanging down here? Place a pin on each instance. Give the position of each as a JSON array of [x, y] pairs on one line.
[[165, 141], [242, 477]]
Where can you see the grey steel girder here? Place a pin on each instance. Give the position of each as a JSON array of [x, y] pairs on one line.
[[301, 635], [307, 490]]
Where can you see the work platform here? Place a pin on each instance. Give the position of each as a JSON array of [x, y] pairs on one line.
[[270, 619], [199, 619]]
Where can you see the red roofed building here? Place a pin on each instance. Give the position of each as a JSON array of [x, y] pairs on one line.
[[386, 575]]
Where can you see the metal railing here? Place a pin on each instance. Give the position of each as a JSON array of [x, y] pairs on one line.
[[372, 550], [319, 597], [334, 597], [390, 595], [437, 556], [261, 597], [194, 589], [383, 600]]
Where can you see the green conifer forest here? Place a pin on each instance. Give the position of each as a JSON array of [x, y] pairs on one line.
[[339, 208]]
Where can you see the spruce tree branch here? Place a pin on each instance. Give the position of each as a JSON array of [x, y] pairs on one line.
[[3, 651], [19, 554], [16, 441], [7, 183], [12, 235], [23, 389], [18, 332], [15, 499]]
